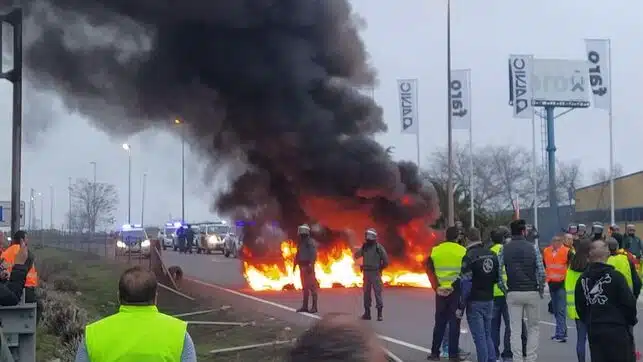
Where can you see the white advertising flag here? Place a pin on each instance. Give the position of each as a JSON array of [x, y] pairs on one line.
[[460, 99], [521, 70], [599, 57], [408, 93]]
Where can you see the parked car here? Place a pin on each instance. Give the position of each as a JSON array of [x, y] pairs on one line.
[[167, 235], [211, 237]]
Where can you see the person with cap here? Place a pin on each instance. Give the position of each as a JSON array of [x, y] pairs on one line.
[[556, 257], [443, 268], [478, 276], [606, 305], [620, 261], [8, 258], [524, 288], [138, 331], [632, 243], [305, 259], [374, 260], [577, 265]]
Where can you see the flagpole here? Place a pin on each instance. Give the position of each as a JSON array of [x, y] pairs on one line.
[[534, 168], [417, 133], [450, 191], [471, 181], [609, 72]]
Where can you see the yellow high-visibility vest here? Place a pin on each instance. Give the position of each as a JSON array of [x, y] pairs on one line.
[[135, 334], [497, 292], [621, 263], [447, 261], [570, 288]]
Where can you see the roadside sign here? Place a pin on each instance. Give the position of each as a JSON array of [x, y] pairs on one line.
[[5, 213]]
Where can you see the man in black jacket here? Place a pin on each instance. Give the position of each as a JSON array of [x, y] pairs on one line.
[[478, 276], [606, 305], [13, 284]]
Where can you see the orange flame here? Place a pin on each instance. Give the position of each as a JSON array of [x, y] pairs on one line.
[[335, 267]]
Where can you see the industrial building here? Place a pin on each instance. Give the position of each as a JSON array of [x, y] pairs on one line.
[[593, 202]]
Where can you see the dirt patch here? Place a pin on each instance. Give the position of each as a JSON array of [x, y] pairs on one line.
[[92, 284]]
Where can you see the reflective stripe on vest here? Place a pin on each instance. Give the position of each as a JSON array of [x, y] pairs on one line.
[[447, 261], [497, 292], [135, 334], [9, 256], [556, 263], [570, 289], [622, 265]]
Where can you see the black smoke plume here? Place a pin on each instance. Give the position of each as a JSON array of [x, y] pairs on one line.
[[270, 84]]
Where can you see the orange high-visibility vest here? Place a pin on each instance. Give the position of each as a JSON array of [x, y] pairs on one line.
[[556, 263], [9, 256]]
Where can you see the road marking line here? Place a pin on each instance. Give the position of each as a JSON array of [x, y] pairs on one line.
[[309, 315], [196, 313]]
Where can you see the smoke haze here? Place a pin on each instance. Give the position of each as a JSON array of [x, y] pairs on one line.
[[268, 86]]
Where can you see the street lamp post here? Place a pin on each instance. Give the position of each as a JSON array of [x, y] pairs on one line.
[[51, 207], [450, 188], [69, 216], [180, 122], [127, 148], [42, 209], [143, 199]]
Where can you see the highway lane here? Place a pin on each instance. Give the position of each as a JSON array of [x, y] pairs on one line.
[[408, 312]]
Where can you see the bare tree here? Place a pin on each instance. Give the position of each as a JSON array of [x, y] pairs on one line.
[[501, 175], [603, 174], [93, 203]]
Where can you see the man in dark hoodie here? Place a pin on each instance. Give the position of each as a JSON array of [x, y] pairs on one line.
[[606, 305]]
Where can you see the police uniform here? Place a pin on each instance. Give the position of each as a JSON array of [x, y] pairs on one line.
[[305, 258], [374, 260]]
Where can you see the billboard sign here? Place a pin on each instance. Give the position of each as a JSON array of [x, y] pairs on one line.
[[520, 85], [5, 215], [561, 83], [553, 82], [408, 98]]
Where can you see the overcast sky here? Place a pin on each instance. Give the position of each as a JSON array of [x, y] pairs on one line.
[[406, 39]]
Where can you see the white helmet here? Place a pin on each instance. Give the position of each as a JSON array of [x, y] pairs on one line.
[[371, 234], [303, 229]]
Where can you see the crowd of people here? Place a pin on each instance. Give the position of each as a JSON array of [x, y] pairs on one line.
[[593, 278]]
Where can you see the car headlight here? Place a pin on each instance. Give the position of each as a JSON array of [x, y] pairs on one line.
[[120, 244], [145, 243], [213, 239]]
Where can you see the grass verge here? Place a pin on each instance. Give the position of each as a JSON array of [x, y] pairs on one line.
[[91, 283]]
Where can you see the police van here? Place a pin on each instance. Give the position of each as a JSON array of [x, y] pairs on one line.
[[132, 239]]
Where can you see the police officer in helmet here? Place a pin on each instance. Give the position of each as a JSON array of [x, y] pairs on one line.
[[597, 231], [374, 260], [305, 259]]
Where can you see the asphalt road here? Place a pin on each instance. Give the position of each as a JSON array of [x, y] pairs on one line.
[[408, 312]]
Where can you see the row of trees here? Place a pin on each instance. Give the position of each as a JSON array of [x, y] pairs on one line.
[[92, 205], [502, 175]]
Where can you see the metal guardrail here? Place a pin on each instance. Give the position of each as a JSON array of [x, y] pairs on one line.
[[18, 332]]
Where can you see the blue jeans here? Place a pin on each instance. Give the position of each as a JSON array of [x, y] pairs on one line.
[[479, 319], [559, 305], [581, 340]]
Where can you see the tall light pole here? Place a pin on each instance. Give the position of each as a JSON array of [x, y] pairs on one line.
[[182, 124], [143, 200], [450, 203], [42, 209], [51, 207], [92, 206], [14, 75], [127, 148], [69, 189]]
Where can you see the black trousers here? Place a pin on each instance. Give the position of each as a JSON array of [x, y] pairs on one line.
[[611, 343], [445, 308]]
